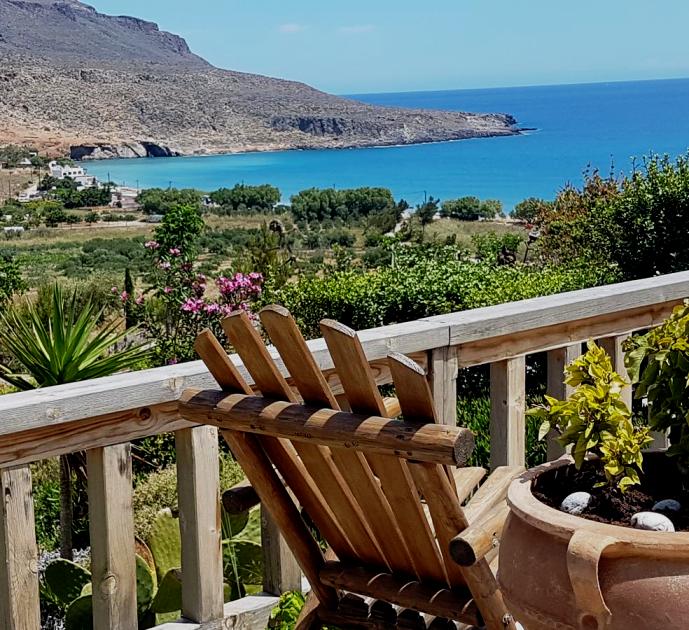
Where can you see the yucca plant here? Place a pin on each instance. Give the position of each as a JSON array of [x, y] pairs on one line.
[[63, 346]]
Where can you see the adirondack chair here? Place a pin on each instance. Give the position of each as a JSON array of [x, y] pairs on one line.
[[386, 495]]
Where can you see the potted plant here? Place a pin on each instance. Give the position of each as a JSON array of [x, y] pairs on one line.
[[600, 537]]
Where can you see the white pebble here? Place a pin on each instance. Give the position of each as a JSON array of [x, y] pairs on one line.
[[667, 505], [653, 522], [576, 502]]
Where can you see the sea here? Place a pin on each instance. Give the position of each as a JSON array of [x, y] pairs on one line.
[[574, 129]]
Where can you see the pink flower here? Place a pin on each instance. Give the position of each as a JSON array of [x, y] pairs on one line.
[[167, 290], [212, 309], [164, 264], [175, 251], [192, 305], [172, 361], [140, 299], [152, 245], [187, 266], [124, 296], [114, 290]]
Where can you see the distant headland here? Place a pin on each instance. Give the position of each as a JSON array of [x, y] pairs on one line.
[[76, 82]]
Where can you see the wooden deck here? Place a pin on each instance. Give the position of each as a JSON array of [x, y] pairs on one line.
[[103, 415]]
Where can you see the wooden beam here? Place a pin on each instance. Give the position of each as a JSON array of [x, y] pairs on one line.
[[111, 529], [198, 487], [558, 359], [434, 443], [442, 376], [507, 413], [19, 604], [566, 332]]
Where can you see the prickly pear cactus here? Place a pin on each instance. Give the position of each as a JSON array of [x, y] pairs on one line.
[[233, 524], [79, 614], [165, 543], [146, 584], [243, 562], [66, 580], [169, 596]]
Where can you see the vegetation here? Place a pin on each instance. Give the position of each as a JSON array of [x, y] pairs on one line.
[[658, 362], [636, 222], [470, 209], [596, 420], [329, 203], [160, 200], [10, 278], [242, 198]]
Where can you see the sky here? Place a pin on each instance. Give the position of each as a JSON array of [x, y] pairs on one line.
[[361, 46]]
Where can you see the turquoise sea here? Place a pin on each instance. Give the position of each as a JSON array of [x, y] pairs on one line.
[[577, 127]]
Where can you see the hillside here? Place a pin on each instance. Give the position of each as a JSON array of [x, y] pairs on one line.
[[75, 80]]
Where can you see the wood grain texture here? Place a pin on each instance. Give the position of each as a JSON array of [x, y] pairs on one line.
[[111, 529], [19, 602], [352, 466], [281, 573], [491, 492], [198, 488], [449, 520], [435, 599], [435, 443], [276, 499], [507, 412], [442, 374]]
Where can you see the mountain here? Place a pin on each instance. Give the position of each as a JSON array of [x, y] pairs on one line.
[[73, 80]]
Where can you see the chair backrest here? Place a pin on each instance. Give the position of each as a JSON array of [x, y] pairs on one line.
[[377, 489]]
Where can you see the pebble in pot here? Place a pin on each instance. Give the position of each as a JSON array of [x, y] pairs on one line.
[[653, 522], [667, 505], [576, 502]]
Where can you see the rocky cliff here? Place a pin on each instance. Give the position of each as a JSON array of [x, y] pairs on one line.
[[73, 79]]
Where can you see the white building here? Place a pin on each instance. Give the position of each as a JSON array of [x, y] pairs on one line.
[[77, 173]]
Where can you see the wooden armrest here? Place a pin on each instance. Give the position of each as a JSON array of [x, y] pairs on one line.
[[466, 480], [392, 407], [479, 538], [240, 498], [492, 492]]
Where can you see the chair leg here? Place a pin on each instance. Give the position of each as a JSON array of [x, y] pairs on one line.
[[308, 617]]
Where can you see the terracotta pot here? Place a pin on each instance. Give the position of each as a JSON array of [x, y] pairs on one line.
[[559, 571]]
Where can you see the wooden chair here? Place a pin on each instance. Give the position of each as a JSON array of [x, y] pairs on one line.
[[386, 495]]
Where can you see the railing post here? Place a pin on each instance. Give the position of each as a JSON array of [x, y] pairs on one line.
[[198, 487], [556, 387], [281, 573], [507, 421], [111, 529], [442, 376], [19, 603]]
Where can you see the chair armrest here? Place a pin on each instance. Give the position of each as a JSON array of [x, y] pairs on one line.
[[240, 498], [471, 545], [392, 407]]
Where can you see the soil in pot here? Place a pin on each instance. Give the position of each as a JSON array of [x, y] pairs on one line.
[[659, 481]]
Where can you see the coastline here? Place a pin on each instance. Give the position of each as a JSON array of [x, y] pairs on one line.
[[109, 155]]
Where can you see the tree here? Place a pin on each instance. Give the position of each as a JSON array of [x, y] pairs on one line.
[[63, 347], [529, 209], [180, 230], [316, 204], [426, 212], [91, 217], [159, 200], [490, 209], [10, 278], [129, 316], [463, 209], [249, 198], [54, 214]]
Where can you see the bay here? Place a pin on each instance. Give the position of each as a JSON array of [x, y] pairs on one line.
[[576, 127]]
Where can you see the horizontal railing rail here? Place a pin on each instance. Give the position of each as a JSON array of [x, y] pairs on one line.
[[102, 416]]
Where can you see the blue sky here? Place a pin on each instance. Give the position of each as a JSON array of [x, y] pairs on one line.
[[399, 45]]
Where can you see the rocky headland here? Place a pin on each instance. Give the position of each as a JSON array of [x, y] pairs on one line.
[[78, 82]]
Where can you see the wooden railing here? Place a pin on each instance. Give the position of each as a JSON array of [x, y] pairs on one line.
[[104, 415]]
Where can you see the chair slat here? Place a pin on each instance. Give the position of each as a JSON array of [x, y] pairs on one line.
[[396, 483], [317, 460], [449, 520], [280, 451], [353, 466]]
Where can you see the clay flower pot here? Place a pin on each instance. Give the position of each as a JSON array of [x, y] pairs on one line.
[[559, 571]]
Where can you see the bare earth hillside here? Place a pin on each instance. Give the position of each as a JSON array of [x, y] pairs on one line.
[[75, 80]]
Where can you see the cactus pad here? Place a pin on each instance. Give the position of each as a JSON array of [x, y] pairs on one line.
[[165, 543], [80, 614], [169, 596], [66, 580]]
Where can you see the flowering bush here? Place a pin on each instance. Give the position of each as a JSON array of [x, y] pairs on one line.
[[179, 302]]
